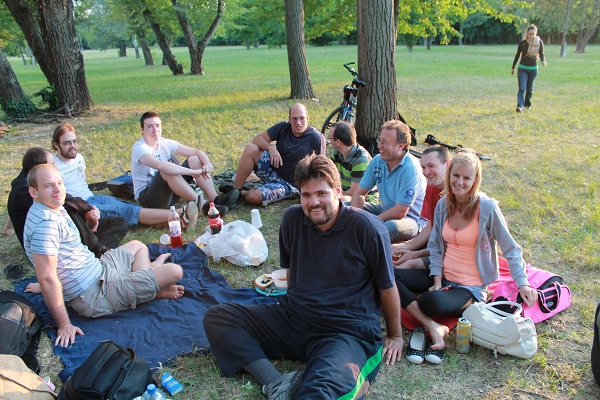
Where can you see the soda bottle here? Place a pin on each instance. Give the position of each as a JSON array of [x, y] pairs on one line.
[[152, 393], [175, 229], [214, 219], [171, 384]]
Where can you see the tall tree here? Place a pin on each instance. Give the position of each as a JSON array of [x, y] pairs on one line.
[[301, 86], [65, 57], [163, 43], [196, 49], [377, 67], [587, 24], [55, 47], [13, 100]]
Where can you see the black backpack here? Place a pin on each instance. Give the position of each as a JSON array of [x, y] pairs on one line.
[[110, 372], [20, 328]]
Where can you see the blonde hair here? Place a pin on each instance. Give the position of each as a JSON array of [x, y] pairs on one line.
[[464, 157]]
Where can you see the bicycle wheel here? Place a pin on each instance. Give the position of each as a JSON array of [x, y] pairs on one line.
[[334, 114]]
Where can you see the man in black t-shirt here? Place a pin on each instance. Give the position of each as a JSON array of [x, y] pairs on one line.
[[274, 163], [340, 277]]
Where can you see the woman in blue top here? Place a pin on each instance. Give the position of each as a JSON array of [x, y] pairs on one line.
[[529, 49]]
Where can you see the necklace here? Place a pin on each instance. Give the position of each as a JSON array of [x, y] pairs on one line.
[[461, 206]]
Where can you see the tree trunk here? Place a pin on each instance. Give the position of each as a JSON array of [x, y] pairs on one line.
[[396, 15], [122, 50], [64, 57], [588, 28], [563, 43], [210, 32], [135, 47], [22, 54], [31, 30], [301, 86], [190, 39], [174, 66], [10, 89], [148, 60], [12, 98], [377, 101]]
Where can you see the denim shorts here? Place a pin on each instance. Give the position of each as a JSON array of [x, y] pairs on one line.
[[275, 187], [112, 207]]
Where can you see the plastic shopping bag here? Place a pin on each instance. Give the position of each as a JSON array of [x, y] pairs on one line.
[[238, 242]]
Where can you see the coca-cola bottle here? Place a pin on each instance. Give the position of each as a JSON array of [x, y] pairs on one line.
[[175, 229], [214, 219]]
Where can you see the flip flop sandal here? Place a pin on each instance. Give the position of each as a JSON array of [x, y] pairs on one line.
[[415, 352], [434, 356], [14, 272]]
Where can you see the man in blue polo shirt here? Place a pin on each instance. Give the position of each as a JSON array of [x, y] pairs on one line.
[[400, 182], [340, 277]]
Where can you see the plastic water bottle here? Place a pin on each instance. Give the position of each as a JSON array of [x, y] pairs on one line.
[[175, 229], [170, 384], [214, 219], [152, 393]]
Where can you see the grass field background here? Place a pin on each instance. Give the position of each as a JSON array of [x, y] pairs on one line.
[[545, 171]]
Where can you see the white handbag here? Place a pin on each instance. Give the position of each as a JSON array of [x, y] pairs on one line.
[[500, 331]]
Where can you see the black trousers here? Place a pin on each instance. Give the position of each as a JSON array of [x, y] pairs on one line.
[[341, 360], [451, 302]]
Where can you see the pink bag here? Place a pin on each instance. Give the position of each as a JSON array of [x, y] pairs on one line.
[[553, 295]]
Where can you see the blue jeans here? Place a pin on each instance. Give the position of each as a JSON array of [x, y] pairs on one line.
[[525, 78]]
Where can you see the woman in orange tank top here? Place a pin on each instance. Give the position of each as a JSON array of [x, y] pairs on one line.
[[466, 228]]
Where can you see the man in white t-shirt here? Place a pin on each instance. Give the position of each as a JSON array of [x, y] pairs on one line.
[[158, 178], [71, 165]]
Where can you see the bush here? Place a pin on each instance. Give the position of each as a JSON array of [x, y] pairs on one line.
[[19, 109], [49, 97]]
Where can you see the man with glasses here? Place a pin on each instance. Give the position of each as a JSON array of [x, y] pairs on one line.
[[398, 177], [71, 165], [274, 163], [350, 158], [98, 234]]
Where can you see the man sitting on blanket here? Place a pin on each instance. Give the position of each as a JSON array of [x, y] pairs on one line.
[[69, 273], [339, 279]]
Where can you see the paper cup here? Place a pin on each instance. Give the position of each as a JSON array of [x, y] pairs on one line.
[[255, 216]]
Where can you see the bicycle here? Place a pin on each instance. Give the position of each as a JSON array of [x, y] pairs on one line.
[[345, 111]]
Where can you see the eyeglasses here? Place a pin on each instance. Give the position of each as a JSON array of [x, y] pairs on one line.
[[69, 143], [382, 143]]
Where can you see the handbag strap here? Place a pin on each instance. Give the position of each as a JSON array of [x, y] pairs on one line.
[[542, 297], [492, 307]]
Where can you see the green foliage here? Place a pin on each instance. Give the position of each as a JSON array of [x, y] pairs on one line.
[[18, 109], [545, 172], [48, 97]]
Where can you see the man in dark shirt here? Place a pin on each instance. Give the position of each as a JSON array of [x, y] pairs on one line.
[[340, 277], [274, 163], [98, 234]]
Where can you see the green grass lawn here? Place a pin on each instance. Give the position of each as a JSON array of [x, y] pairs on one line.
[[545, 171]]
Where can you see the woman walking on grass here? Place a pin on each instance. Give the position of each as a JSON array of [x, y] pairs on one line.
[[529, 50], [466, 228]]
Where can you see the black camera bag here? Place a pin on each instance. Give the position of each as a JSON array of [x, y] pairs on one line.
[[110, 372]]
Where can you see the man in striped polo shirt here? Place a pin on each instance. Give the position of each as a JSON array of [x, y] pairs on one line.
[[350, 158], [68, 273]]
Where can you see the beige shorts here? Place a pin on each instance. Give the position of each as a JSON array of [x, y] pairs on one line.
[[118, 287]]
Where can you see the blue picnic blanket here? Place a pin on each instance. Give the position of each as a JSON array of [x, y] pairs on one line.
[[157, 331]]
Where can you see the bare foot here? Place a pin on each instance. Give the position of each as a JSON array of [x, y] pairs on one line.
[[172, 292], [437, 336], [160, 260], [33, 288]]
